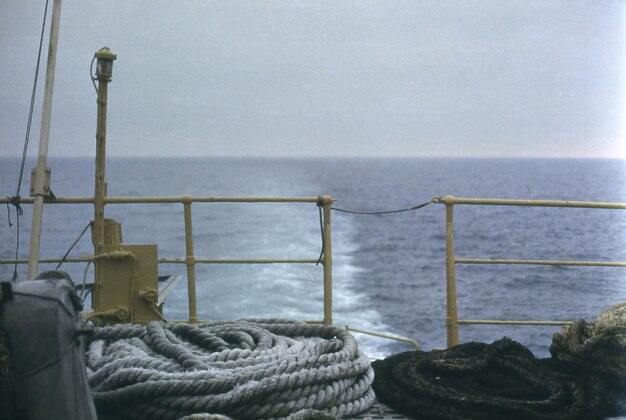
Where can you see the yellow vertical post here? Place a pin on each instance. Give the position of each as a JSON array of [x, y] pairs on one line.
[[452, 324], [100, 186], [190, 261], [327, 261], [104, 72]]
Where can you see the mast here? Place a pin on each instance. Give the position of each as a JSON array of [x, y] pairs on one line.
[[40, 175]]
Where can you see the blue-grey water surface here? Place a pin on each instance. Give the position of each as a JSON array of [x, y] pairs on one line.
[[389, 271]]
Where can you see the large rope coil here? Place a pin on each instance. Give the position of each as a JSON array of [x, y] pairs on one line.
[[502, 380], [242, 369], [597, 347]]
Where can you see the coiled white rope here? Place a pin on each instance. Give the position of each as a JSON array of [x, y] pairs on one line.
[[250, 369]]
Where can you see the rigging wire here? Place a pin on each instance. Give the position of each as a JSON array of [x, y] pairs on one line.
[[367, 213], [15, 200], [91, 76], [84, 292], [372, 213], [73, 245]]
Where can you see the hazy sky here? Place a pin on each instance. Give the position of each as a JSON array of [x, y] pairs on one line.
[[326, 78]]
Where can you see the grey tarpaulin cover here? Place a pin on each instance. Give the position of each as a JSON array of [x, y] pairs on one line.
[[42, 325]]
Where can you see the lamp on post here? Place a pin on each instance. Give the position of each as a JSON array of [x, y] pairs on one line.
[[104, 64], [125, 276], [104, 72]]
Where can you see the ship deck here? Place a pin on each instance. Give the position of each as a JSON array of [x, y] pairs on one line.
[[380, 411]]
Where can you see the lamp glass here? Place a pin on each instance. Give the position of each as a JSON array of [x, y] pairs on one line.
[[104, 68]]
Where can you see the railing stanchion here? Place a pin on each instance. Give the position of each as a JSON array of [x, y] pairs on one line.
[[190, 260], [452, 321], [327, 262]]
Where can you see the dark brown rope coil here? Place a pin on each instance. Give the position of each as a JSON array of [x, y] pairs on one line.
[[502, 380]]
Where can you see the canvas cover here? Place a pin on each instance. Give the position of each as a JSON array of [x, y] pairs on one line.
[[44, 330]]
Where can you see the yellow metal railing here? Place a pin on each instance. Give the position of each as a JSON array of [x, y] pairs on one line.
[[452, 320], [190, 259]]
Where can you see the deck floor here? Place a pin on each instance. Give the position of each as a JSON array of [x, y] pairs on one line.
[[380, 411]]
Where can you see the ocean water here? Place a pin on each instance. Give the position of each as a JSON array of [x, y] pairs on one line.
[[389, 271]]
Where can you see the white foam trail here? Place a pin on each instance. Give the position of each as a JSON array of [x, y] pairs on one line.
[[351, 306]]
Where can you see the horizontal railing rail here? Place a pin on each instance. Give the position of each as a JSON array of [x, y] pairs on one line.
[[414, 343], [452, 320], [542, 262], [167, 199], [450, 200], [83, 259], [88, 258], [239, 261]]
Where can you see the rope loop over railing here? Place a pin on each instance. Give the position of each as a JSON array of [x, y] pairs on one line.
[[320, 205], [15, 202]]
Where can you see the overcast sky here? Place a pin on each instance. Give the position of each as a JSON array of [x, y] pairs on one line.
[[332, 78]]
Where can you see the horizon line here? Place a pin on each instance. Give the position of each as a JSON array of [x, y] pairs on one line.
[[114, 156]]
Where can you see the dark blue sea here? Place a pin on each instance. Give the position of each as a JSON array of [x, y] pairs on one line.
[[389, 271]]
